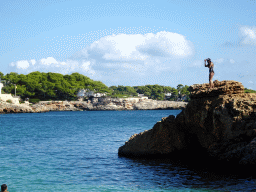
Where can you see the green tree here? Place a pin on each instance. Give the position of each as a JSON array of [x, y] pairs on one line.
[[1, 75], [51, 85], [179, 87]]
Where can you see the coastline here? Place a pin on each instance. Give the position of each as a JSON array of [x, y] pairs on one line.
[[99, 104]]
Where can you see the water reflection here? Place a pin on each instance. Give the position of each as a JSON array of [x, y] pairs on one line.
[[172, 174]]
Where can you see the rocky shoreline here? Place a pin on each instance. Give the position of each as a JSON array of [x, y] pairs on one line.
[[102, 104], [217, 125]]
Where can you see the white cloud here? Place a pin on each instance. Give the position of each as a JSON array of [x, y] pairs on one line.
[[122, 56], [248, 34], [23, 64], [33, 61], [137, 47], [86, 66], [164, 44], [51, 65], [250, 82], [247, 37], [148, 51], [48, 61]]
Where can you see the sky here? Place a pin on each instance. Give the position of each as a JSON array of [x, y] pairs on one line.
[[131, 43]]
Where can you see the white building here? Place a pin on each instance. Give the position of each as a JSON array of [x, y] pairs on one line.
[[1, 85], [88, 93], [81, 93], [5, 97], [142, 96], [167, 95]]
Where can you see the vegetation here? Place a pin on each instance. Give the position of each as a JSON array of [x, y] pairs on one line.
[[123, 91], [249, 90], [54, 86], [50, 86], [34, 100], [9, 101], [158, 92]]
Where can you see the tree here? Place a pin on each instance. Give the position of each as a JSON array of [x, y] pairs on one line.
[[51, 85], [184, 90], [179, 87], [1, 75]]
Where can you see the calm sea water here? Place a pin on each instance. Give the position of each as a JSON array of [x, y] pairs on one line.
[[77, 151]]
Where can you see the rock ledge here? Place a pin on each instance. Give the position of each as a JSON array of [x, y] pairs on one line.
[[219, 123]]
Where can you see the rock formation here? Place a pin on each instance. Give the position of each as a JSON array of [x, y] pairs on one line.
[[219, 123], [14, 108], [97, 104], [125, 104]]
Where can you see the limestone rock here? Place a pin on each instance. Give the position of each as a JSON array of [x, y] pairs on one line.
[[220, 88], [14, 108], [158, 140], [220, 122], [97, 104], [153, 104]]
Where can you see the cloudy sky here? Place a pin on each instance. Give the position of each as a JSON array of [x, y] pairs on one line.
[[128, 42]]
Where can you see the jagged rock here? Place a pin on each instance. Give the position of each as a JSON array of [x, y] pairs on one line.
[[220, 122], [158, 140], [220, 88]]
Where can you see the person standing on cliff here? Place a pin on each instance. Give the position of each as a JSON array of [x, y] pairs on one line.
[[210, 65]]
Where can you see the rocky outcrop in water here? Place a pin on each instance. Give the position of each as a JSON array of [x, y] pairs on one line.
[[219, 123]]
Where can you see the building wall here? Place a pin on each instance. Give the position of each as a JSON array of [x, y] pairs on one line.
[[1, 86], [5, 97]]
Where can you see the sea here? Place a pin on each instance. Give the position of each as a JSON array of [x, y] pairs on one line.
[[78, 151]]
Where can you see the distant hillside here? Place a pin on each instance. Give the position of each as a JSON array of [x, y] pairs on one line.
[[47, 86]]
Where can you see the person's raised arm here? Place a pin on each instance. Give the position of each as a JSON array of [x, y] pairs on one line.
[[205, 63]]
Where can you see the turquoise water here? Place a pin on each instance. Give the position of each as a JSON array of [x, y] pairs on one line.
[[77, 151]]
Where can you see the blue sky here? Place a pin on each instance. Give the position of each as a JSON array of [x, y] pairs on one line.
[[131, 42]]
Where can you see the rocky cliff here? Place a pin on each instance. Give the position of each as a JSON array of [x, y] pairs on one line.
[[219, 124]]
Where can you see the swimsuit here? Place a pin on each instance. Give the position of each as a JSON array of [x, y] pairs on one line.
[[211, 70]]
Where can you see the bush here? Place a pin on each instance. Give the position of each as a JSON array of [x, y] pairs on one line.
[[9, 101], [34, 100], [249, 90], [120, 96]]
